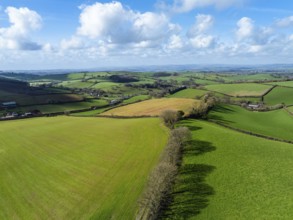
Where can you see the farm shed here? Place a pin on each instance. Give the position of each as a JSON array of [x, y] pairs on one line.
[[11, 104]]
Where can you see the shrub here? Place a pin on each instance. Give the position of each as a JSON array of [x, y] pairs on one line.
[[169, 117], [163, 176]]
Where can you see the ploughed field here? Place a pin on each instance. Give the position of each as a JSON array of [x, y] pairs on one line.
[[153, 107], [230, 175], [76, 168]]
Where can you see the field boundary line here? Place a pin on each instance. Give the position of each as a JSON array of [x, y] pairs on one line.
[[288, 111], [250, 133], [267, 92]]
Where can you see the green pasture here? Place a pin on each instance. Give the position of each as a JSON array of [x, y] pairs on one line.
[[79, 84], [227, 175], [101, 110], [107, 86], [91, 113], [290, 109], [285, 83], [279, 95], [240, 89], [205, 82], [250, 77], [197, 93], [277, 123], [76, 168], [189, 93], [136, 99]]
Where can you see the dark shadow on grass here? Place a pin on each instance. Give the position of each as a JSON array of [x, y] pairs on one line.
[[191, 192], [219, 119], [190, 125], [222, 109], [196, 147]]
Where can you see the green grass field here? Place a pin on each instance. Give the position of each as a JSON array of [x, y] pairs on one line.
[[76, 168], [241, 89], [90, 113], [107, 86], [290, 109], [250, 77], [276, 123], [136, 99], [229, 175], [205, 82], [101, 110], [189, 93], [279, 95], [197, 93], [285, 83], [79, 84]]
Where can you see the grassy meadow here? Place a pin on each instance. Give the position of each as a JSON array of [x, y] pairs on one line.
[[76, 168], [285, 83], [229, 175], [290, 109], [153, 107], [136, 99], [240, 89], [189, 93], [279, 95], [277, 123]]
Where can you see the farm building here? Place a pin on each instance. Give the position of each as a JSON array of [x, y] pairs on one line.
[[252, 106], [11, 104]]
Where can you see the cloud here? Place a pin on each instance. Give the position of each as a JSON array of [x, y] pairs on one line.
[[113, 23], [23, 22], [248, 32], [245, 28], [285, 22], [183, 6], [197, 34], [73, 43], [203, 41], [175, 42], [202, 24]]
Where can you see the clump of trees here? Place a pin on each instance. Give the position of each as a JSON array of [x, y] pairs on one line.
[[163, 176], [123, 78], [202, 109], [170, 117]]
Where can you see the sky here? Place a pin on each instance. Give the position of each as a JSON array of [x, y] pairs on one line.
[[79, 34]]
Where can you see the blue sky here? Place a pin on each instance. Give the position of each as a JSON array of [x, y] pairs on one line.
[[58, 34]]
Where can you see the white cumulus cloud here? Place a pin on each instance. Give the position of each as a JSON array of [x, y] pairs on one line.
[[113, 23], [202, 41], [245, 28], [23, 22], [175, 42], [285, 22], [198, 34], [202, 24]]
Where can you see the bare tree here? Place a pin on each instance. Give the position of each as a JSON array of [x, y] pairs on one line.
[[170, 117]]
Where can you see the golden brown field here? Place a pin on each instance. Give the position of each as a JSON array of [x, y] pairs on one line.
[[153, 107]]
